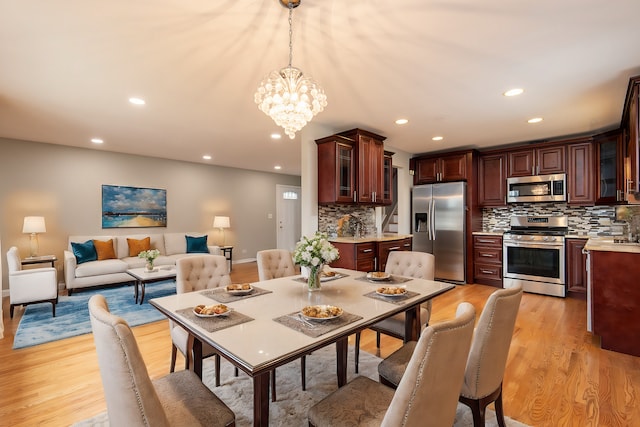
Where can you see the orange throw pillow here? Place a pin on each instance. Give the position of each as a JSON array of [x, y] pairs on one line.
[[137, 246], [104, 250]]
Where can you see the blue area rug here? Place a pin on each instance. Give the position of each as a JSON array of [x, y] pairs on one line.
[[37, 326]]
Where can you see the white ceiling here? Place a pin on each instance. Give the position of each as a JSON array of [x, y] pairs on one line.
[[67, 68]]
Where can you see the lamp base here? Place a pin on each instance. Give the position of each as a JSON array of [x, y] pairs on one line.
[[33, 245]]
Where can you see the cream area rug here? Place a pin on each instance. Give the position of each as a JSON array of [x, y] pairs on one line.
[[290, 410]]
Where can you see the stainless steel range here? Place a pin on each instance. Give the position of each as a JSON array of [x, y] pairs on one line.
[[534, 254]]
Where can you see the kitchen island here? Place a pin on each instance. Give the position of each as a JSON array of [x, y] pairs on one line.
[[613, 294], [369, 253]]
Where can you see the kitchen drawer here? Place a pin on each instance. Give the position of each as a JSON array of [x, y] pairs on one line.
[[484, 255], [356, 256], [487, 241], [488, 272]]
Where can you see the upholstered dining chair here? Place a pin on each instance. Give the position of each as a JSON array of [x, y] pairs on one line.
[[30, 286], [179, 398], [487, 358], [427, 394], [420, 265], [273, 264], [196, 273]]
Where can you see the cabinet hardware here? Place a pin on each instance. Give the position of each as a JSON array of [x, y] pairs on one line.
[[395, 248], [354, 196], [484, 241], [488, 255], [367, 250], [486, 271]]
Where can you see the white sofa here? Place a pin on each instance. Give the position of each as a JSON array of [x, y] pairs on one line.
[[109, 271]]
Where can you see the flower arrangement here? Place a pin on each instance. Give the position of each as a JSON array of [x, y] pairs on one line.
[[149, 255], [314, 252]]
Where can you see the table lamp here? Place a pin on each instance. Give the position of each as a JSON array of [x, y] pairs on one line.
[[221, 222], [34, 225]]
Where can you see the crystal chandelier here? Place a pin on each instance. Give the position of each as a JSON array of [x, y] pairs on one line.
[[288, 96]]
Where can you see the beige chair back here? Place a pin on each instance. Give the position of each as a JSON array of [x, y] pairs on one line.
[[196, 273], [130, 395], [275, 263], [411, 264], [491, 342], [428, 392]]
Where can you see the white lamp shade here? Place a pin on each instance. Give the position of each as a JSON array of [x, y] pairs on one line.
[[34, 224], [221, 222]]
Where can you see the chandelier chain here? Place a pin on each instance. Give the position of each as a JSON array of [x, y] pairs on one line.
[[290, 33]]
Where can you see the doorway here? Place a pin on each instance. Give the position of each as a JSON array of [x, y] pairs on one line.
[[288, 216]]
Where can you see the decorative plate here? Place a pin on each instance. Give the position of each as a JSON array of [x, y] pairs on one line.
[[239, 289], [391, 291], [321, 312], [378, 275], [217, 310], [325, 276]]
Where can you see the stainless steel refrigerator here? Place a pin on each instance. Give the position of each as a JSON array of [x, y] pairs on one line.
[[438, 216]]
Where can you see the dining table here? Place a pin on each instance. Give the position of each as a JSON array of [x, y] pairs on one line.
[[264, 327]]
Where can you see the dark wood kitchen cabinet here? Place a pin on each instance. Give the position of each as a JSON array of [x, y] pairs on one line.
[[356, 256], [387, 187], [631, 128], [536, 161], [351, 169], [487, 260], [576, 263], [609, 180], [444, 167], [580, 174], [492, 180], [387, 246]]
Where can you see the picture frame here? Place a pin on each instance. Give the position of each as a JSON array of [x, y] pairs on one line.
[[133, 207]]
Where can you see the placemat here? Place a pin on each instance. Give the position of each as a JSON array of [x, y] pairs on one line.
[[312, 328], [221, 294], [212, 324], [323, 279], [399, 300], [393, 280]]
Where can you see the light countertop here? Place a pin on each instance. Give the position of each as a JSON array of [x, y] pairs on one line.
[[607, 244], [487, 233], [381, 238]]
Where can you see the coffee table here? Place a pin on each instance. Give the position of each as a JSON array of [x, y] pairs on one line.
[[142, 277]]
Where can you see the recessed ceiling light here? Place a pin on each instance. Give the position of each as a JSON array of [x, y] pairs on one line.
[[535, 120], [137, 101], [402, 121], [276, 136], [97, 140], [277, 167], [438, 138], [206, 157], [514, 92]]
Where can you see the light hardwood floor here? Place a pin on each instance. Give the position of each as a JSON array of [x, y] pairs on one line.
[[556, 375]]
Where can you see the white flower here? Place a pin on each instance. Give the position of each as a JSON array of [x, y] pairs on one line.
[[314, 251]]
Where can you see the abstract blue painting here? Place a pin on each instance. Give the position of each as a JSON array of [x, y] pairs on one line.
[[128, 207]]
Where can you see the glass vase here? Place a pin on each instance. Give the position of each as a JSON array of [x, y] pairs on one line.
[[149, 266], [313, 280]]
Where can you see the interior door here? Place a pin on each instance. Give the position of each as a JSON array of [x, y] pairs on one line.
[[288, 213]]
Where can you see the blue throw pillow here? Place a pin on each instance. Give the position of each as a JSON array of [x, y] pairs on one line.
[[84, 252], [197, 245]]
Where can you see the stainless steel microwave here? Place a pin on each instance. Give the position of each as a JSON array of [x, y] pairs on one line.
[[540, 188]]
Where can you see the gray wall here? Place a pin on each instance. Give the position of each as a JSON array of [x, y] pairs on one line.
[[64, 185]]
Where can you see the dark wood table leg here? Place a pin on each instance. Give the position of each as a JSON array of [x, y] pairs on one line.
[[142, 286], [135, 290], [261, 399], [412, 326], [196, 355], [342, 345]]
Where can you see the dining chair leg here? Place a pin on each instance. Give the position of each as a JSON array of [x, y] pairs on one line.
[[499, 410], [303, 371], [378, 340], [174, 353], [357, 351], [235, 371]]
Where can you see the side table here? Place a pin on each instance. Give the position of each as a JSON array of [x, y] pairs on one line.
[[227, 251], [44, 259]]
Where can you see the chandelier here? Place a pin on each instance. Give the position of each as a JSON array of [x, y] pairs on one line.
[[288, 96]]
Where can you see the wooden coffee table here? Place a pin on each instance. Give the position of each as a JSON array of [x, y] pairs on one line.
[[143, 277]]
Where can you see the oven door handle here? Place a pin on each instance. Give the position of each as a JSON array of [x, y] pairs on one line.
[[533, 245]]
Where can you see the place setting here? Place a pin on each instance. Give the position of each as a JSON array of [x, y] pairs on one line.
[[325, 276], [316, 320], [393, 294], [234, 292], [214, 317], [381, 276]]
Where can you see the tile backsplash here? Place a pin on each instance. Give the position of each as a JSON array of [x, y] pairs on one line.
[[583, 220], [328, 217]]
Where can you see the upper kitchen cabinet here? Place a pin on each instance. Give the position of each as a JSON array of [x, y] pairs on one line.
[[580, 176], [609, 152], [387, 184], [351, 168], [492, 180], [630, 124], [429, 169], [536, 161]]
